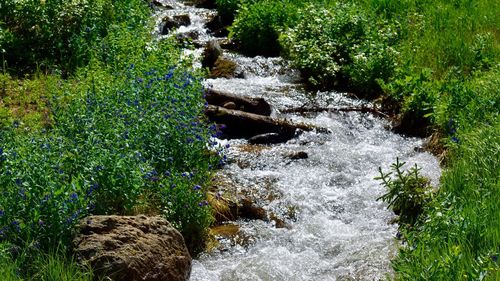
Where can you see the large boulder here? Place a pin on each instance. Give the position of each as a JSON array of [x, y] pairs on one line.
[[133, 248]]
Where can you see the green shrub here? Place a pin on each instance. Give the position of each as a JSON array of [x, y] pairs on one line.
[[258, 25], [408, 192], [343, 51], [60, 35], [227, 8]]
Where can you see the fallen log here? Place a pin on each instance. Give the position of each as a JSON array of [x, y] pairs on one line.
[[240, 124], [362, 109], [252, 105]]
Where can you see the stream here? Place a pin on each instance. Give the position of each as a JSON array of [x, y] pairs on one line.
[[331, 225]]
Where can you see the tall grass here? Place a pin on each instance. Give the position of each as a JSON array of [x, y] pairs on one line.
[[459, 238]]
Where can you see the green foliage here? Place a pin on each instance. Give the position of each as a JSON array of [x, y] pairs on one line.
[[347, 50], [258, 25], [124, 135], [60, 35], [459, 237], [408, 192], [52, 266], [227, 9], [8, 270]]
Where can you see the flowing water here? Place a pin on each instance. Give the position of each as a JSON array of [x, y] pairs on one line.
[[335, 227]]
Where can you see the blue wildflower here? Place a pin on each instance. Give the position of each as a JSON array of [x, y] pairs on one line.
[[455, 139], [19, 181], [73, 196], [197, 187], [173, 186], [2, 213], [169, 75], [16, 225]]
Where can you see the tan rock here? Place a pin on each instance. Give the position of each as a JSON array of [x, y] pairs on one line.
[[133, 248]]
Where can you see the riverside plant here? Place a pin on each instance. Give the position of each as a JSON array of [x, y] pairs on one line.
[[407, 193], [119, 141]]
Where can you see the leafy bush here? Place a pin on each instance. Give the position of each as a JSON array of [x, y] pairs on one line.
[[126, 136], [60, 35], [346, 49], [227, 8], [258, 25], [408, 193]]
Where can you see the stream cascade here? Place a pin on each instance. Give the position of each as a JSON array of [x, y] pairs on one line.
[[331, 226]]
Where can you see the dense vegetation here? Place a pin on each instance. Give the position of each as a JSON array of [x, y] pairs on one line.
[[97, 118], [434, 63]]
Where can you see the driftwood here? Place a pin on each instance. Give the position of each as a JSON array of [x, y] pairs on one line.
[[362, 109], [250, 105], [240, 124]]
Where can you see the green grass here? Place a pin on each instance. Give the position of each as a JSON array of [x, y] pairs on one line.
[[459, 237]]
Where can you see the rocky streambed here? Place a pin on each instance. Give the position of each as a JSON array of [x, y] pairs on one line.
[[307, 195]]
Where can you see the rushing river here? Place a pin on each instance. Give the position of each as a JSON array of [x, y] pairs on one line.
[[336, 229]]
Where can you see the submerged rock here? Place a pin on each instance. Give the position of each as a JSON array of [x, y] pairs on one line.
[[169, 23], [133, 248], [298, 155]]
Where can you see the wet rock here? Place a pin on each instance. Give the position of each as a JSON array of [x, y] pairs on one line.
[[218, 27], [163, 4], [211, 53], [247, 209], [279, 223], [228, 44], [225, 230], [192, 35], [298, 155], [252, 105], [229, 105], [169, 23], [269, 138], [132, 248], [224, 68], [230, 209]]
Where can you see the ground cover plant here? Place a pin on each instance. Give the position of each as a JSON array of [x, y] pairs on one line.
[[118, 132]]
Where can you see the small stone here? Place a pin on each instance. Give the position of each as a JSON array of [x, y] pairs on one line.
[[298, 155], [268, 138], [229, 105]]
